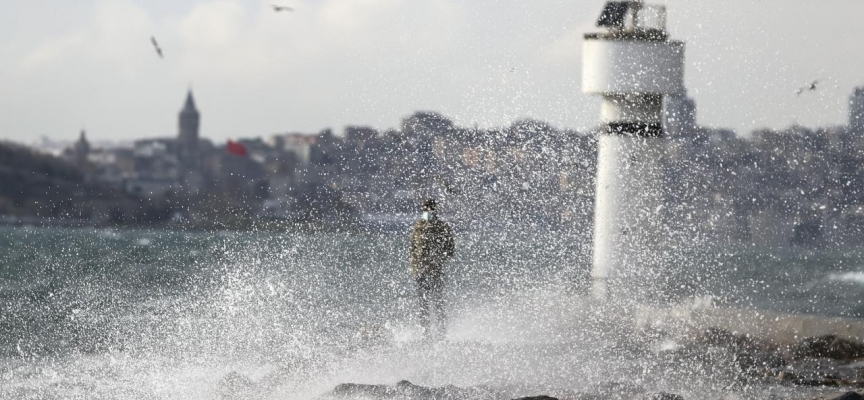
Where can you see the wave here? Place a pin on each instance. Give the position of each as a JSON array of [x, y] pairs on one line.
[[852, 277]]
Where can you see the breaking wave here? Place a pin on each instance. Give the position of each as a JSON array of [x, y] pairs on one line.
[[851, 277], [284, 316]]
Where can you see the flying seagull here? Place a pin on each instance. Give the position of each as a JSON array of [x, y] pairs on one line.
[[811, 87], [156, 46], [279, 8]]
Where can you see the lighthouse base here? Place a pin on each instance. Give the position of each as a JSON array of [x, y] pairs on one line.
[[629, 235]]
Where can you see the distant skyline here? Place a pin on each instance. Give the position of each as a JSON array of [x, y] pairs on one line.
[[89, 64]]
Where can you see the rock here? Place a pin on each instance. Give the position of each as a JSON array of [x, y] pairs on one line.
[[829, 346], [817, 382], [758, 363], [537, 398], [586, 396], [753, 357], [822, 372], [408, 390], [618, 390], [723, 338], [357, 389], [235, 385], [804, 379], [849, 396], [719, 337], [663, 396]]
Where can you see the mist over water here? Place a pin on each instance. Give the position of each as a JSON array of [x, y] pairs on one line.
[[148, 314]]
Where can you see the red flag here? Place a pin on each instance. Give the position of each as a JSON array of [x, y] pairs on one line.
[[237, 149]]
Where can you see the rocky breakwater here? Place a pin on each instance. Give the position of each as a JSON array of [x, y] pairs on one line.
[[733, 365], [827, 361], [405, 390]]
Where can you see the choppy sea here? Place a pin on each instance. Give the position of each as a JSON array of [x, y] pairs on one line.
[[136, 314]]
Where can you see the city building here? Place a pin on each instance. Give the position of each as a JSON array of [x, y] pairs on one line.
[[298, 143], [679, 116], [856, 111]]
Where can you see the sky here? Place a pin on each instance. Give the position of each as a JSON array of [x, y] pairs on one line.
[[68, 65]]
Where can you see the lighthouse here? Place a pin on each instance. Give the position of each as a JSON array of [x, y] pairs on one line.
[[632, 64]]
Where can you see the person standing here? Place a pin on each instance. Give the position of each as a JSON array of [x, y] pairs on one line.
[[432, 245]]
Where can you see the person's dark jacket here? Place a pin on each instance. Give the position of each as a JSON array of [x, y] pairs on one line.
[[431, 245]]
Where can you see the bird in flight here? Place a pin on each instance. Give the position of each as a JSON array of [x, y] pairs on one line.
[[278, 8], [811, 87], [156, 46]]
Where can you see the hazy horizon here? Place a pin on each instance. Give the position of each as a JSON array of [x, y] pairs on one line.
[[333, 63]]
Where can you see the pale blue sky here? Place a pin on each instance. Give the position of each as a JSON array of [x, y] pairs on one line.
[[66, 65]]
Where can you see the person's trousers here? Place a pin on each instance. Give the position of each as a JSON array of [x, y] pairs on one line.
[[430, 290]]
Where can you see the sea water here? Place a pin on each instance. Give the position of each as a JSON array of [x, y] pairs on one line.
[[129, 314]]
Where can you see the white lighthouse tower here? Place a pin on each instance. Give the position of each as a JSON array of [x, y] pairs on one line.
[[632, 64]]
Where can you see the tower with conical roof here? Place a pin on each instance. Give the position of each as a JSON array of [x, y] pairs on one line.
[[187, 137], [81, 149]]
